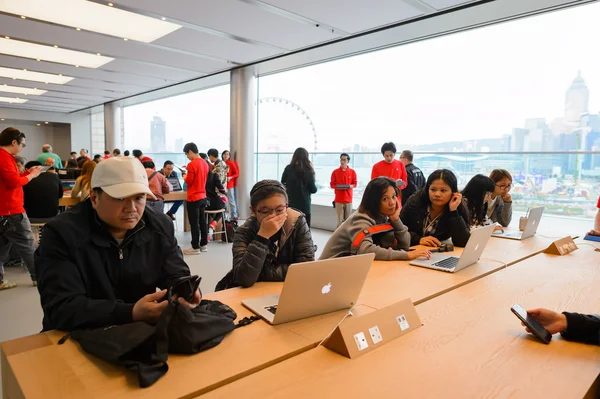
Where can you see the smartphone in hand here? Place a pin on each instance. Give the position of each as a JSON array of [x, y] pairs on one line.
[[536, 328]]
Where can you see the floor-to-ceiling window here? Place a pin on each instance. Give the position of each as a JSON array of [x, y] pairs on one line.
[[526, 89]]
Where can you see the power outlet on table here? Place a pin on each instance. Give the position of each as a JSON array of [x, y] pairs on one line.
[[361, 341], [375, 334]]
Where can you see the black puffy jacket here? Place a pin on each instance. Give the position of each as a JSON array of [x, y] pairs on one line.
[[87, 280], [451, 224], [582, 328], [258, 259]]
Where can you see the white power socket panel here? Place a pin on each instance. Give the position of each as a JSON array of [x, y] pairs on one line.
[[375, 334], [361, 341]]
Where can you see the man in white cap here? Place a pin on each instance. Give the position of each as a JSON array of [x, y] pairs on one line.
[[99, 264]]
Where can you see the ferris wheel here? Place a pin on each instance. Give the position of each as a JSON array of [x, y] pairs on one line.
[[292, 105]]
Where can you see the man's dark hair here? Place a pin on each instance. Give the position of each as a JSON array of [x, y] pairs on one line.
[[203, 156], [98, 191], [97, 156], [225, 152], [148, 165], [266, 189], [31, 164], [116, 151], [9, 134], [126, 153], [408, 154], [343, 154], [371, 200], [213, 153], [388, 147], [106, 152], [190, 147], [137, 153], [167, 163], [73, 152]]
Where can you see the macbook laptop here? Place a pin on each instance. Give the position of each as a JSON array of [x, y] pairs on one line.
[[314, 288], [175, 183], [533, 220], [470, 255]]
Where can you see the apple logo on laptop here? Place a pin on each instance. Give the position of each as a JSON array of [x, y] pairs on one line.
[[326, 289]]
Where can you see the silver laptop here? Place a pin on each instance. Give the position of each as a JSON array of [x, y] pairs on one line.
[[314, 288], [533, 220], [470, 255]]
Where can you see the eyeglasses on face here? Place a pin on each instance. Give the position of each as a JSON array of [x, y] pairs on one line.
[[505, 187], [276, 211]]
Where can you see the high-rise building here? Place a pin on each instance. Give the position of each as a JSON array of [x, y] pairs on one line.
[[517, 142], [576, 100], [158, 134], [178, 145]]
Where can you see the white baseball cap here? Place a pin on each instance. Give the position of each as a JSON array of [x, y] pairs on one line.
[[121, 177]]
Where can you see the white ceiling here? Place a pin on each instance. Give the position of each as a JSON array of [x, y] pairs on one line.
[[216, 35]]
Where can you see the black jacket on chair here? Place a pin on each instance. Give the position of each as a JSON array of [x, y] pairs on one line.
[[256, 259], [451, 224], [87, 280]]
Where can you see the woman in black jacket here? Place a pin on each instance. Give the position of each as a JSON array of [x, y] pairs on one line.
[[436, 212], [214, 187], [299, 180], [273, 238], [572, 326]]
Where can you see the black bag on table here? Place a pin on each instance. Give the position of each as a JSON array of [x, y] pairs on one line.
[[144, 348]]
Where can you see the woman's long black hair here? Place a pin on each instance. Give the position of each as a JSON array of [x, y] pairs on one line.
[[474, 192]]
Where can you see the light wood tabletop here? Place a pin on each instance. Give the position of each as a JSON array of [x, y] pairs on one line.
[[69, 372], [470, 345]]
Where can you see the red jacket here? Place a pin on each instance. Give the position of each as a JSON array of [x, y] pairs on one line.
[[11, 185], [395, 170], [340, 176], [145, 159], [233, 173], [197, 173]]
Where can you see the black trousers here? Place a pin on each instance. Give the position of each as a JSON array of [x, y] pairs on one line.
[[197, 219]]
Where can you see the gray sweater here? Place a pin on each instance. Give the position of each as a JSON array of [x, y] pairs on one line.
[[502, 212], [340, 243]]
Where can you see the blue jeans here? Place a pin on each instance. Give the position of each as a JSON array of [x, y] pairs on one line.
[[175, 207], [231, 202], [19, 236]]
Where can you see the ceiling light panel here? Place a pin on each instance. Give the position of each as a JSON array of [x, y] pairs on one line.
[[92, 17], [21, 90], [49, 53], [33, 76], [12, 100]]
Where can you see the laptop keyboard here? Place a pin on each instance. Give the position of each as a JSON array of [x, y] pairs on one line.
[[447, 263], [272, 308]]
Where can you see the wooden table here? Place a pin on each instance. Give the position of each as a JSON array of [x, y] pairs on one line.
[[470, 345], [44, 369], [67, 200]]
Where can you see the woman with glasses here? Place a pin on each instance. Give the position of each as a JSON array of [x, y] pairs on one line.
[[274, 237], [375, 227], [476, 194], [499, 206]]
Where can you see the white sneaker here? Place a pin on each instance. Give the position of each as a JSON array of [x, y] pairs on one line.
[[191, 251], [204, 249]]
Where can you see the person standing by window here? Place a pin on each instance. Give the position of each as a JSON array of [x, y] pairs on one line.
[[299, 181], [195, 177], [232, 175], [390, 167], [415, 180], [343, 180]]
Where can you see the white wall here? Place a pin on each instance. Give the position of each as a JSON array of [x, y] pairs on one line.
[[58, 136], [81, 130]]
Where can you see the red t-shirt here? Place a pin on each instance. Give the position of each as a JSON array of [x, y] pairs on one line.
[[233, 173], [11, 185], [197, 173], [598, 204], [341, 176], [395, 170], [106, 156], [145, 159]]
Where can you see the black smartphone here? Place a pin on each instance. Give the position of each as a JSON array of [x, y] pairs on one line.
[[531, 323]]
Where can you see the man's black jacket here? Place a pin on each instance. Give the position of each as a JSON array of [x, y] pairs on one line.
[[86, 279]]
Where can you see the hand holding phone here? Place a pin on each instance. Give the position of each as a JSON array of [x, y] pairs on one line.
[[532, 324], [455, 201]]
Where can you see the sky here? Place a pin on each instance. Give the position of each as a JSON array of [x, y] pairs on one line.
[[476, 84]]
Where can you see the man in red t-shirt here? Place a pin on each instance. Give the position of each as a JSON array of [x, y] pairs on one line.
[[596, 230], [390, 167], [195, 177], [106, 154], [140, 156], [343, 180], [15, 229], [232, 174]]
